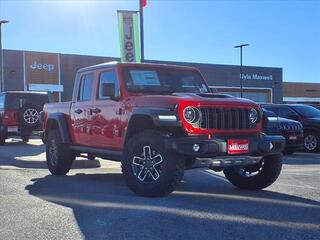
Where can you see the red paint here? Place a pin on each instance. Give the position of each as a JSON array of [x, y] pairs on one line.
[[107, 129], [10, 118]]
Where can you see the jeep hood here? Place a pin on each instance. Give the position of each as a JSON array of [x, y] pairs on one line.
[[201, 99]]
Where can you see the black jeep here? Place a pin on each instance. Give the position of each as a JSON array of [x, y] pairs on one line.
[[307, 115]]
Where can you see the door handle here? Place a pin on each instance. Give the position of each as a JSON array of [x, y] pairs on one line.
[[96, 110], [78, 111]]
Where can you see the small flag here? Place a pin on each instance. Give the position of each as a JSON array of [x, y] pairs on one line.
[[143, 3]]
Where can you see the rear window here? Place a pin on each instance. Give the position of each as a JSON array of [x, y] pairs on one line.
[[17, 100]]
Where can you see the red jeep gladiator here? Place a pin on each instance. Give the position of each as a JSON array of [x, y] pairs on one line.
[[158, 119]]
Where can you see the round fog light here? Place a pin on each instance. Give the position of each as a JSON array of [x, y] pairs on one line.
[[196, 147]]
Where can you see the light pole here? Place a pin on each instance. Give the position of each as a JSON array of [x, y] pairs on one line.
[[142, 4], [1, 58], [241, 83]]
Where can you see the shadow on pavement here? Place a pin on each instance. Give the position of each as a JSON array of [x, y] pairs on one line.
[[25, 155], [200, 209], [302, 159]]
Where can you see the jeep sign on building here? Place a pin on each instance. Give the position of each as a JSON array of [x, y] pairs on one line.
[[42, 72], [54, 73]]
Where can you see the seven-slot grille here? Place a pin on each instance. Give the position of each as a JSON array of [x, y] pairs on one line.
[[224, 118]]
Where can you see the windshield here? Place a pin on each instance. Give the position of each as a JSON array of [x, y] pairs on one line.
[[307, 111], [163, 80]]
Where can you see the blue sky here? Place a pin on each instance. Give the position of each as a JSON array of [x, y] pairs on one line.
[[280, 33]]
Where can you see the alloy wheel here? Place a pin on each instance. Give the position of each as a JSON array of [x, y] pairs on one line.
[[310, 142], [147, 164], [31, 116], [252, 170]]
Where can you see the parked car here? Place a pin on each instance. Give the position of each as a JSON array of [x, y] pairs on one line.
[[307, 115], [20, 114], [151, 118], [290, 129], [317, 106]]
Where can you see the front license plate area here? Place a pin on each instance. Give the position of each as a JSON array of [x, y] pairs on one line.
[[238, 146], [292, 137]]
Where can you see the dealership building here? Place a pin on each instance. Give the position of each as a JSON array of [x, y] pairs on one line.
[[55, 73]]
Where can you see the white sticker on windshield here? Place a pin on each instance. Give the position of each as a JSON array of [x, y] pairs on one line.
[[146, 78]]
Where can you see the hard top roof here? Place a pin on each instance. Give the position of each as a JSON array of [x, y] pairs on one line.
[[114, 64]]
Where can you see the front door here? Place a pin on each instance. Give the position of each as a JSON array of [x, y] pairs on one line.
[[107, 112]]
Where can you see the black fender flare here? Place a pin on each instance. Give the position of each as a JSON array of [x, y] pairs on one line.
[[150, 115], [153, 114], [61, 121]]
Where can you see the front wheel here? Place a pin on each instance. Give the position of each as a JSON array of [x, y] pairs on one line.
[[25, 139], [149, 169], [59, 156], [256, 176], [311, 142]]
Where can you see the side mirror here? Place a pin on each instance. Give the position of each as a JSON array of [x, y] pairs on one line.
[[108, 90]]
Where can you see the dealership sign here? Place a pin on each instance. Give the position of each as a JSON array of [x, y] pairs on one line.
[[129, 36], [41, 72], [255, 76], [42, 66]]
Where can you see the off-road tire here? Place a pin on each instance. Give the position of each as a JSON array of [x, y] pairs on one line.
[[311, 136], [2, 140], [172, 167], [270, 171], [25, 139], [189, 162], [91, 156], [3, 135], [59, 157], [29, 117]]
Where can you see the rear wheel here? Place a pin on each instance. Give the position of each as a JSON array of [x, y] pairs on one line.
[[148, 167], [59, 156], [2, 135], [2, 140], [256, 176], [91, 156]]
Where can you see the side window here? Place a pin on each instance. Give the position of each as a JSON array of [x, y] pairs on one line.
[[85, 88], [286, 112], [108, 80]]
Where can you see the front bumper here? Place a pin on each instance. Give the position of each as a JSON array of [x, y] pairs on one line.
[[216, 149]]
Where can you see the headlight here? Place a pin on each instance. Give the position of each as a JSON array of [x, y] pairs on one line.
[[191, 114], [253, 115]]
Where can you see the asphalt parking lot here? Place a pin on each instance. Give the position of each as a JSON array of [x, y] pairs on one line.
[[93, 202]]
